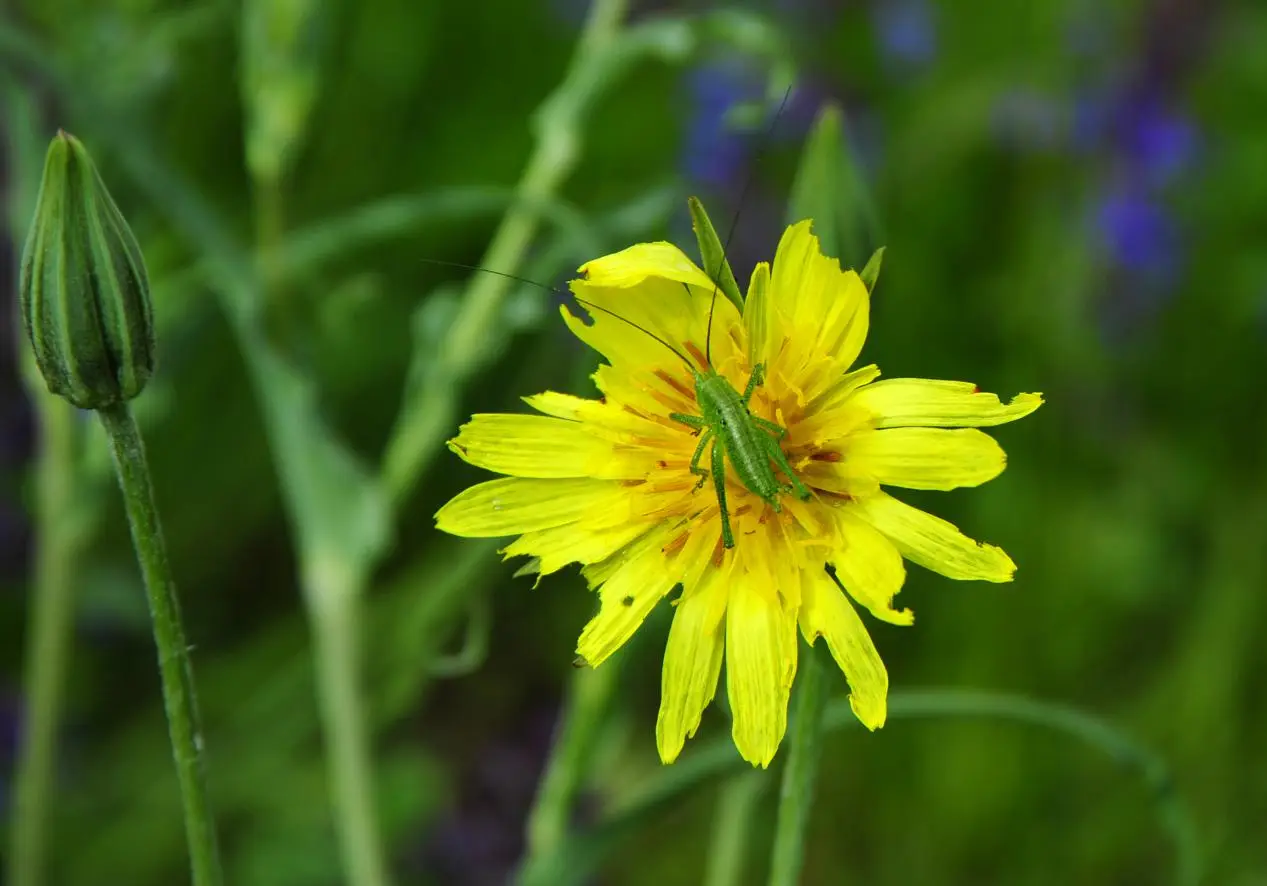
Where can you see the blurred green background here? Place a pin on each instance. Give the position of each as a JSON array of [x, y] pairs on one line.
[[1073, 196]]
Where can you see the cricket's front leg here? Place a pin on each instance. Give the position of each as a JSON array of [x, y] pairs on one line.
[[699, 453], [695, 422], [719, 482], [754, 381]]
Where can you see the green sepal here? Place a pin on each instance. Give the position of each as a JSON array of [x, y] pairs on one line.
[[871, 270], [83, 289], [713, 253]]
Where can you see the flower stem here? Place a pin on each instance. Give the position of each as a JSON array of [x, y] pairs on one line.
[[335, 622], [796, 793], [550, 818], [737, 802], [333, 586], [58, 539], [169, 636]]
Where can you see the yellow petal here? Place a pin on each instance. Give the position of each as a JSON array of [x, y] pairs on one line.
[[607, 420], [921, 402], [620, 343], [870, 568], [540, 447], [826, 613], [626, 597], [647, 292], [933, 542], [692, 664], [820, 310], [631, 266], [573, 543], [926, 458], [760, 667], [512, 506], [840, 390], [844, 477]]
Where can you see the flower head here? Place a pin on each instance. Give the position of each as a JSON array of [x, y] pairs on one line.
[[608, 483], [84, 292]]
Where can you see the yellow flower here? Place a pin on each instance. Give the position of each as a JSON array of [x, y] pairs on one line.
[[606, 483]]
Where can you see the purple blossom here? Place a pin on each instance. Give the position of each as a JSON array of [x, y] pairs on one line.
[[1158, 142], [906, 31], [1138, 233], [715, 153]]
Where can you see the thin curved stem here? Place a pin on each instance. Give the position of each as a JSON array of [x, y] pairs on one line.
[[582, 854], [416, 439], [1171, 809], [169, 636]]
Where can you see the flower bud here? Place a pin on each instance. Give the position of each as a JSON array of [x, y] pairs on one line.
[[85, 295]]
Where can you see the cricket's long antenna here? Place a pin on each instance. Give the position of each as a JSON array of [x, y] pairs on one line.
[[734, 223], [454, 264], [557, 291], [594, 307]]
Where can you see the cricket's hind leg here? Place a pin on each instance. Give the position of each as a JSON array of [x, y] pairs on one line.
[[770, 427], [719, 483], [775, 451]]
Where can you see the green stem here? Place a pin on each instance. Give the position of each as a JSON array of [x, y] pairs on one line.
[[169, 636], [550, 818], [58, 540], [556, 154], [332, 588], [336, 629], [732, 825], [270, 231], [796, 793]]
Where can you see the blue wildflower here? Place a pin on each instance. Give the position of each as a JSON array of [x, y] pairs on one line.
[[906, 31]]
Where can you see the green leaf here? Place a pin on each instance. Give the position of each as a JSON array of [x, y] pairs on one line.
[[339, 513]]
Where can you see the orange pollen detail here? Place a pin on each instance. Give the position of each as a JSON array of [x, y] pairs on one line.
[[718, 553], [694, 351], [669, 402], [676, 485], [635, 481], [676, 545], [826, 455], [674, 383]]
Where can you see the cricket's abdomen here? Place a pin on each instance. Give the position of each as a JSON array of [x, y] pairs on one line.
[[724, 410]]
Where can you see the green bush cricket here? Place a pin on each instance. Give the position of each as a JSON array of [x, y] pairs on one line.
[[750, 443]]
